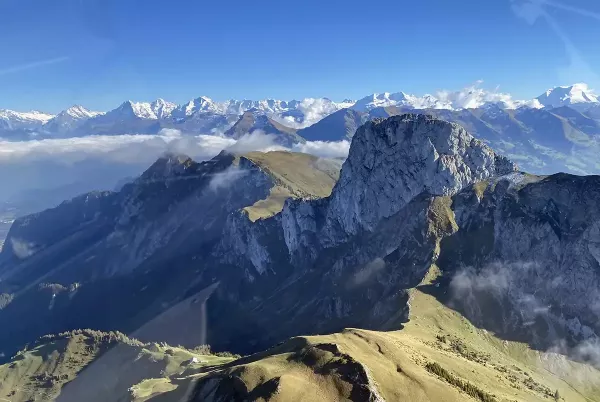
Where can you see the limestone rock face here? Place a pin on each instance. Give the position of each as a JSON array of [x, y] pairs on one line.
[[532, 243], [392, 161]]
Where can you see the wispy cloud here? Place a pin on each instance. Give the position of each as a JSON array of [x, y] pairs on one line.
[[532, 10], [28, 66]]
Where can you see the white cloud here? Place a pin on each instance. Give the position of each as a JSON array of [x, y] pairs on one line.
[[256, 141], [100, 162], [94, 162], [226, 178], [121, 148], [313, 110], [21, 249], [367, 272], [324, 149], [259, 141], [474, 96]]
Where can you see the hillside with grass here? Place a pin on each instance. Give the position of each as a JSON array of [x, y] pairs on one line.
[[88, 365], [296, 175], [437, 356]]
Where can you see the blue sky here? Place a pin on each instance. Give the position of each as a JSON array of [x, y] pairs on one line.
[[101, 52]]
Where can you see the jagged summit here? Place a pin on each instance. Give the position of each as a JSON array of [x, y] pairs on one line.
[[169, 164], [78, 111]]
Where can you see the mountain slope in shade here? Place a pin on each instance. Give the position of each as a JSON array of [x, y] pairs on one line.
[[181, 204], [253, 120], [335, 127]]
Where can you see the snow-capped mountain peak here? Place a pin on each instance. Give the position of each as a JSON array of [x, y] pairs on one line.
[[161, 108], [142, 110], [204, 115], [386, 99], [472, 97], [33, 115], [78, 112], [11, 120], [579, 93], [200, 104], [69, 119]]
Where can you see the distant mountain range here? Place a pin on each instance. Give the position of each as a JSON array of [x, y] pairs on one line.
[[557, 131], [134, 117]]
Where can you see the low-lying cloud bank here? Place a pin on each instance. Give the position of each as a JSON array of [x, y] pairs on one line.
[[120, 148], [100, 162], [502, 294]]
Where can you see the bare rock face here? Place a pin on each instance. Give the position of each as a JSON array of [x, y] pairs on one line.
[[531, 243], [391, 162]]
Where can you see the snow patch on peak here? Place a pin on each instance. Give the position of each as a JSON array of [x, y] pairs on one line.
[[33, 115], [471, 97], [143, 110], [69, 119], [162, 109], [201, 104], [79, 112], [575, 94], [11, 120]]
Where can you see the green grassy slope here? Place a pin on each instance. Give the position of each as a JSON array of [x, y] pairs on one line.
[[296, 175]]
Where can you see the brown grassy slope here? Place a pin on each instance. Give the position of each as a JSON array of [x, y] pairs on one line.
[[296, 175], [88, 365], [362, 365]]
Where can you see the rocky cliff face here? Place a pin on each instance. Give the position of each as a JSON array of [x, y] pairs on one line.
[[121, 258], [415, 193], [390, 163], [530, 246]]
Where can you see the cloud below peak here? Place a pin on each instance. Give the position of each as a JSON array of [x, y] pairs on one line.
[[105, 159]]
